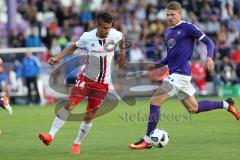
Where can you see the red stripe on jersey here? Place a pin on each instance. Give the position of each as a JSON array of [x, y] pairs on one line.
[[104, 41], [104, 69]]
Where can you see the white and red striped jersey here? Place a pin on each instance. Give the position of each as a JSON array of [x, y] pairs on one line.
[[100, 57]]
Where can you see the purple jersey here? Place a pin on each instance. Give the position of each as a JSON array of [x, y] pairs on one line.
[[180, 41]]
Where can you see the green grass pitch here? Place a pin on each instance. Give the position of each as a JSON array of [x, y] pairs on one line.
[[207, 136]]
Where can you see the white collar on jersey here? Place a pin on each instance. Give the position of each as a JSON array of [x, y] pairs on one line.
[[178, 24]]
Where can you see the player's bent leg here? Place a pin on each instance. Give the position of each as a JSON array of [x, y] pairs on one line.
[[157, 99], [92, 107], [58, 122], [90, 113], [194, 106], [205, 105], [77, 95], [83, 131], [191, 104], [96, 96]]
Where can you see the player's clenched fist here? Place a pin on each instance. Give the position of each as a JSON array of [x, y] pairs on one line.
[[121, 61], [53, 60], [210, 64]]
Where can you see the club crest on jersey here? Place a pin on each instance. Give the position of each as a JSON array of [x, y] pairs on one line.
[[111, 41], [178, 32], [110, 45], [171, 43]]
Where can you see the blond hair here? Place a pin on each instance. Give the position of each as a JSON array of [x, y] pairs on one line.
[[174, 6]]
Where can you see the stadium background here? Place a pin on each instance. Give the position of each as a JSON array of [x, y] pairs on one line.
[[50, 26]]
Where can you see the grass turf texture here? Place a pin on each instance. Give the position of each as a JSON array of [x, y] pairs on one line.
[[209, 136]]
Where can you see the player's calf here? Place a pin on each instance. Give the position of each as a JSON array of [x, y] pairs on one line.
[[69, 106]]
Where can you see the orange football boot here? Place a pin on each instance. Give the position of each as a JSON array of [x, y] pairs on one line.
[[46, 138], [142, 144], [75, 149], [232, 108]]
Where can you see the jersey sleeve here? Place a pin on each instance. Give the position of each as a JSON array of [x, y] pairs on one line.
[[118, 36], [82, 41], [195, 32]]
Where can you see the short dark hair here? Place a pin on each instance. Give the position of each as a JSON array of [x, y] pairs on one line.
[[174, 6], [104, 17]]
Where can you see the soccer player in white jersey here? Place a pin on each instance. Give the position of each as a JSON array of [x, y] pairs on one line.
[[94, 82]]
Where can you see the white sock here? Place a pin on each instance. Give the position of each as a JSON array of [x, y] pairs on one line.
[[147, 139], [225, 105], [59, 121], [84, 129]]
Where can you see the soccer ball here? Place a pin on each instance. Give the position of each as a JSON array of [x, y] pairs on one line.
[[159, 138]]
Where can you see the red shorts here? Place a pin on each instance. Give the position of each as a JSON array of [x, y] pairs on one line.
[[86, 87]]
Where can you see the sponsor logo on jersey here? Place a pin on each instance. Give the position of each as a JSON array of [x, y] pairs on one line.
[[101, 51]]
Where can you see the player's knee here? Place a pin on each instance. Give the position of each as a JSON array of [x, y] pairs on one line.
[[69, 106], [89, 116], [155, 101]]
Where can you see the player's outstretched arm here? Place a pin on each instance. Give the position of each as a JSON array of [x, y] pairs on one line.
[[122, 57], [68, 50], [151, 67], [158, 64]]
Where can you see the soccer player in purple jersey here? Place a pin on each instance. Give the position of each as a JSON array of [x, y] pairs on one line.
[[180, 39]]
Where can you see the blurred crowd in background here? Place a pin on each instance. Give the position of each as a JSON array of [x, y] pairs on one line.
[[56, 23]]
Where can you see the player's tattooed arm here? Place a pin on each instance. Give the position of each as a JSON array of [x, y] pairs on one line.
[[68, 50], [122, 57], [158, 64]]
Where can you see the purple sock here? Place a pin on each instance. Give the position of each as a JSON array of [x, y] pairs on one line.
[[209, 105], [153, 118]]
